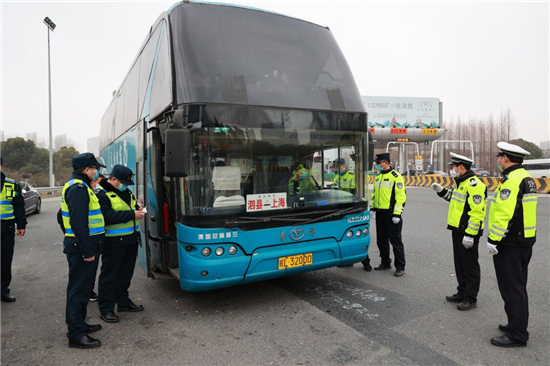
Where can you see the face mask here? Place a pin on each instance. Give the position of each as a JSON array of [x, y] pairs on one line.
[[96, 175], [500, 169], [303, 175], [378, 167], [454, 174], [122, 187]]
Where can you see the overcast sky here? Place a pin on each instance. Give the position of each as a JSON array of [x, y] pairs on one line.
[[477, 58]]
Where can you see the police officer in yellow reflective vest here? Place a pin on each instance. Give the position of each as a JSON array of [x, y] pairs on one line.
[[84, 235], [301, 181], [512, 225], [387, 205], [12, 214], [465, 219], [345, 178], [118, 259]]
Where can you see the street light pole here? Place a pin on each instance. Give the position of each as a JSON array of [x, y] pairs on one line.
[[51, 26]]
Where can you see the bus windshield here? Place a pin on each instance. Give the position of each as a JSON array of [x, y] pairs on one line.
[[292, 161]]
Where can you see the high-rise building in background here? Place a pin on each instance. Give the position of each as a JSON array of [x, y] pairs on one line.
[[33, 136], [545, 145], [93, 145], [59, 140]]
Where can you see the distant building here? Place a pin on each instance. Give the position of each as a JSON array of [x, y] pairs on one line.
[[60, 140], [33, 136], [92, 145], [2, 136], [545, 145]]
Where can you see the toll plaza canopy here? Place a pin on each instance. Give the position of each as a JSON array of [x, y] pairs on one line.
[[234, 55]]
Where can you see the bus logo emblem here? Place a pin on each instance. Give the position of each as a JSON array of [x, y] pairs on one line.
[[297, 233]]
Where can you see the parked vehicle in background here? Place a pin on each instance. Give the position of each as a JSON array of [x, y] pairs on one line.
[[538, 168], [481, 172], [437, 172], [33, 202]]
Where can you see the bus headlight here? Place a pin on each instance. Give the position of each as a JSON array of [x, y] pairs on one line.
[[219, 251], [232, 250], [206, 252], [365, 231], [350, 234], [358, 232]]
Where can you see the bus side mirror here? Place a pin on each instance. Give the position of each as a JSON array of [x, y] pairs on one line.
[[176, 149], [368, 161]]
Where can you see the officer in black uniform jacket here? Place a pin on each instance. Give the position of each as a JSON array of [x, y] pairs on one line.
[[8, 234], [119, 257]]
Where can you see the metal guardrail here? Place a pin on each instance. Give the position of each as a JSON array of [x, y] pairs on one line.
[[49, 191]]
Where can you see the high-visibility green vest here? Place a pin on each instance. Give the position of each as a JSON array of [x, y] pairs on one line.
[[345, 182], [125, 228], [306, 185], [96, 223], [513, 214], [7, 196], [389, 191], [470, 199]]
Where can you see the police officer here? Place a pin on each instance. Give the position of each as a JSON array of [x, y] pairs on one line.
[[387, 204], [96, 186], [121, 213], [12, 214], [466, 221], [84, 235], [301, 181], [345, 178], [512, 227]]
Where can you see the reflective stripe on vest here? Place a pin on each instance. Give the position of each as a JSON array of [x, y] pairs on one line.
[[125, 228], [345, 182], [6, 198], [96, 223], [463, 197]]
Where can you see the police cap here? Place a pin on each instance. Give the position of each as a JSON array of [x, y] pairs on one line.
[[85, 160], [382, 156], [457, 159], [123, 174], [339, 161], [513, 152]]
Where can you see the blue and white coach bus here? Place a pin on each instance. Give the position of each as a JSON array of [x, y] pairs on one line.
[[232, 118]]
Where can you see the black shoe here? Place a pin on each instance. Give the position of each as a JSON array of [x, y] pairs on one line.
[[110, 317], [466, 305], [8, 298], [399, 273], [132, 307], [382, 267], [503, 328], [93, 296], [90, 328], [85, 342], [504, 341], [454, 298], [367, 267]]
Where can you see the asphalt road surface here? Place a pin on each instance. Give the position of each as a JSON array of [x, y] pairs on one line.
[[338, 316]]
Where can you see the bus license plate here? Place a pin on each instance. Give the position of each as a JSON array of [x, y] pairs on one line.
[[295, 261]]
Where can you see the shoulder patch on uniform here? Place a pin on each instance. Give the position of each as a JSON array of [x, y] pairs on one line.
[[477, 199], [394, 173], [504, 194], [399, 185], [80, 185], [473, 182]]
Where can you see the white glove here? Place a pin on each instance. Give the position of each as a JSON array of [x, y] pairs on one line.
[[396, 219], [468, 242], [372, 215], [492, 248], [437, 187]]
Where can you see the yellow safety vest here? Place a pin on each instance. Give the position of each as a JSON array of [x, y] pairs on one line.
[[7, 196], [96, 223], [306, 185], [513, 214], [125, 228], [389, 192], [467, 207], [345, 182]]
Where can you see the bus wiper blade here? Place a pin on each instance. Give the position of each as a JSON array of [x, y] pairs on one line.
[[346, 211]]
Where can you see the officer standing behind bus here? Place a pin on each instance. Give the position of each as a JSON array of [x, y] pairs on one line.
[[118, 261], [466, 221], [13, 213], [84, 235], [388, 201], [512, 233]]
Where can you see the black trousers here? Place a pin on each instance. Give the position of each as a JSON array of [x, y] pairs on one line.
[[117, 269], [468, 273], [79, 289], [8, 244], [388, 232], [511, 267]]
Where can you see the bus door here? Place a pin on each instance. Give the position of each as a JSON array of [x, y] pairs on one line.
[[144, 252]]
